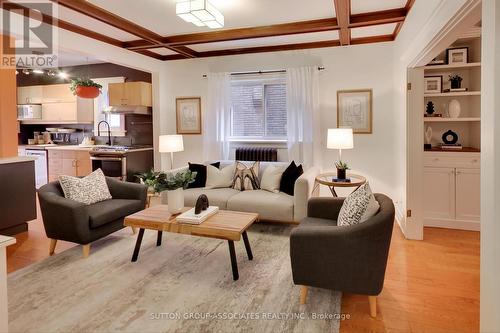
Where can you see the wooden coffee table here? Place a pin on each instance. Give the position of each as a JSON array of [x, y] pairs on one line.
[[227, 225]]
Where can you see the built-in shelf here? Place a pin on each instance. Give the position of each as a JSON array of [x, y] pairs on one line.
[[446, 119], [455, 94], [463, 150], [442, 68]]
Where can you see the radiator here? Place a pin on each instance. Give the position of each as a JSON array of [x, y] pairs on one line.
[[257, 154]]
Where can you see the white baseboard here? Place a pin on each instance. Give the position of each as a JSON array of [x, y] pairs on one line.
[[452, 224]]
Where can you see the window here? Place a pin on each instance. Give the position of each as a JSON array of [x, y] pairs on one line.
[[258, 109]]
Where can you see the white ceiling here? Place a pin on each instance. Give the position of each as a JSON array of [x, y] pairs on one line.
[[159, 15], [268, 41], [66, 59], [374, 30], [363, 6], [163, 51]]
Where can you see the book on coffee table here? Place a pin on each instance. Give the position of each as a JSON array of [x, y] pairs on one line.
[[192, 218]]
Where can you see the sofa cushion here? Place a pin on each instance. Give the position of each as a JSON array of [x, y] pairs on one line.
[[355, 206], [87, 190], [104, 212], [246, 178], [219, 178], [269, 206], [317, 222], [201, 174], [289, 176], [216, 197]]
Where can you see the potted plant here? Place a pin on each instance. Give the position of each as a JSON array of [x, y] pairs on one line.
[[174, 185], [456, 81], [341, 170], [85, 88], [149, 178]]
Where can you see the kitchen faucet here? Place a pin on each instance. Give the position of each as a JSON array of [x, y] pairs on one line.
[[109, 131]]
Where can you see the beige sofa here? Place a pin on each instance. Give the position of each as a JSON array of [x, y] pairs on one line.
[[278, 207]]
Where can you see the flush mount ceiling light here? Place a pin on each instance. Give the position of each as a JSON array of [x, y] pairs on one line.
[[200, 13], [38, 71]]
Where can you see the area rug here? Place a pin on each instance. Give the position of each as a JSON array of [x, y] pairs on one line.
[[185, 285]]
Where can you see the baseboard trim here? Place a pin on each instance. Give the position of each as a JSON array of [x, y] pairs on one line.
[[453, 224]]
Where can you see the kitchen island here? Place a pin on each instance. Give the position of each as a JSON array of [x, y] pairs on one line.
[[17, 195]]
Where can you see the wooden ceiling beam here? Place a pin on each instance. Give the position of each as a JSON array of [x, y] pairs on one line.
[[272, 48], [372, 39], [102, 15], [240, 33], [376, 18], [41, 17], [343, 12]]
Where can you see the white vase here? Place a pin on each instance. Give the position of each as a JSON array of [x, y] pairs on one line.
[[454, 109], [175, 201]]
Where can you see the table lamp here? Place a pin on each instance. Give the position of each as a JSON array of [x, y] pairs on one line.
[[340, 138], [171, 144]]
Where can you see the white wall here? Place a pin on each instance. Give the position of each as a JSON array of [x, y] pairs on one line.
[[354, 67], [490, 164]]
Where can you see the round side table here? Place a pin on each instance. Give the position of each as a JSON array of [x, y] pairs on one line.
[[327, 180]]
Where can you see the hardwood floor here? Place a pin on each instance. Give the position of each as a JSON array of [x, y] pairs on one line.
[[431, 286]]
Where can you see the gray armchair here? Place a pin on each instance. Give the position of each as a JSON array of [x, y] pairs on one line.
[[72, 221], [350, 258]]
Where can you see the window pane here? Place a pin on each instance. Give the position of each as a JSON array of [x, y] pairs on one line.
[[275, 110], [247, 111]]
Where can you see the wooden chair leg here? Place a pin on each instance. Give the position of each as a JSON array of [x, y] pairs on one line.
[[303, 294], [86, 250], [52, 246], [133, 230], [373, 305]]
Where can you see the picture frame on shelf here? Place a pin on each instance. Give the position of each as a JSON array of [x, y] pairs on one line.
[[433, 84], [188, 115], [457, 55], [355, 110]]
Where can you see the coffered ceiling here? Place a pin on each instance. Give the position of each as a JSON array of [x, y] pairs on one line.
[[152, 28]]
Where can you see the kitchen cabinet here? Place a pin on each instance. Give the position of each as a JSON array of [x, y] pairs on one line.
[[30, 95], [59, 105], [57, 93], [130, 94], [74, 163], [452, 190], [79, 111]]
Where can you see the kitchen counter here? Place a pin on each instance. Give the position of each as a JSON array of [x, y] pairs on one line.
[[16, 159], [71, 147]]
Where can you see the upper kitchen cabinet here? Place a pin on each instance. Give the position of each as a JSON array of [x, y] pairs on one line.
[[59, 105], [58, 93], [130, 94], [30, 95]]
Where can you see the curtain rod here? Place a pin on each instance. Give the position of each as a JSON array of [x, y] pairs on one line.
[[263, 72]]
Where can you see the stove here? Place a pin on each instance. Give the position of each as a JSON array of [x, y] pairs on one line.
[[119, 149], [122, 162]]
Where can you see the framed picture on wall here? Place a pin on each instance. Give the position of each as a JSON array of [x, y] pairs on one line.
[[188, 110], [433, 84], [457, 55], [354, 109]]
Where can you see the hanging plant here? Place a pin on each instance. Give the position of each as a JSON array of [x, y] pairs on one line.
[[85, 88]]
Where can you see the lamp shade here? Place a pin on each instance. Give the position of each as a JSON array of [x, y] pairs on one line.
[[171, 143], [340, 138]]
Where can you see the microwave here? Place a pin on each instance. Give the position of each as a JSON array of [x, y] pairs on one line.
[[29, 111]]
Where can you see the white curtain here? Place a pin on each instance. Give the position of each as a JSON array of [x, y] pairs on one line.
[[216, 122], [302, 101]]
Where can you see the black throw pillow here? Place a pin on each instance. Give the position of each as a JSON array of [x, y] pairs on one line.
[[290, 175], [201, 174]]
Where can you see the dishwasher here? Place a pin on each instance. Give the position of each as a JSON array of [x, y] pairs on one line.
[[41, 172]]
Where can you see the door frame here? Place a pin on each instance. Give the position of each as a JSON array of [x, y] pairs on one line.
[[469, 14]]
